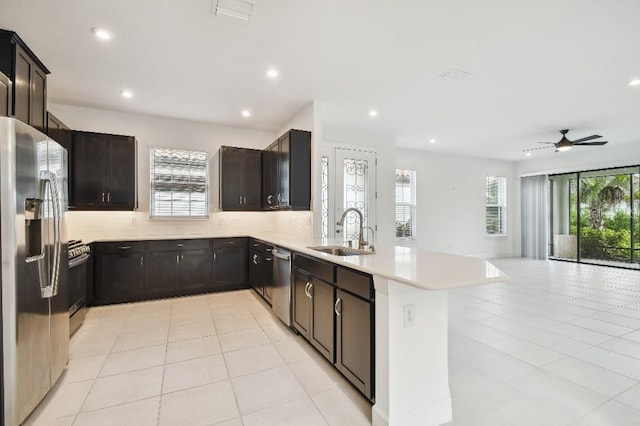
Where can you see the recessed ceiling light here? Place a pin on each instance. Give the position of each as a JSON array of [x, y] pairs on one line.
[[527, 154], [126, 93], [101, 33], [635, 82], [272, 73], [246, 113], [432, 140], [373, 113]]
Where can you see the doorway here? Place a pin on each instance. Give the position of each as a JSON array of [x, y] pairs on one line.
[[348, 179], [594, 217]]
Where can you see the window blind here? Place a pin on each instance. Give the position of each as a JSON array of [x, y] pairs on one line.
[[179, 183], [405, 203], [496, 205]]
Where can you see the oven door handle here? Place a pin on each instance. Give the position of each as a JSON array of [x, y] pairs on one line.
[[83, 258]]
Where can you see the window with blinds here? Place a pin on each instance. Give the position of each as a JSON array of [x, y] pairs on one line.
[[179, 183], [496, 205], [406, 204]]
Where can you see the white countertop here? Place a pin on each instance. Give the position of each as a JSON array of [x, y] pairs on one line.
[[418, 268]]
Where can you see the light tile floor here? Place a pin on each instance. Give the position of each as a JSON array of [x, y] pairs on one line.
[[217, 359], [559, 344]]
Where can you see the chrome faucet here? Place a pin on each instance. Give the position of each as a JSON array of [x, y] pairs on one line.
[[361, 242]]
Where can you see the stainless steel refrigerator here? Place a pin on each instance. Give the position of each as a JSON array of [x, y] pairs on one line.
[[35, 318]]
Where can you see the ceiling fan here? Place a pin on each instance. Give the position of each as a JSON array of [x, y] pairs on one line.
[[565, 144]]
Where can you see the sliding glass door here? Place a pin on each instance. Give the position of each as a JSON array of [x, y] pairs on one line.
[[594, 217]]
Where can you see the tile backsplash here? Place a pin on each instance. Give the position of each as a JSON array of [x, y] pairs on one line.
[[91, 226]]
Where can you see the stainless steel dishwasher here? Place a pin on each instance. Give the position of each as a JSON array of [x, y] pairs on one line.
[[281, 302]]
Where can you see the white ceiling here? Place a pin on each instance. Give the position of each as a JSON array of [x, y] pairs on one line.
[[535, 66]]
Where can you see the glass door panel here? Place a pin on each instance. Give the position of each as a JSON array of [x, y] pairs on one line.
[[563, 194], [606, 206]]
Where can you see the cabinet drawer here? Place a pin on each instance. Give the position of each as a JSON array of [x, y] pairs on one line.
[[315, 267], [355, 282], [229, 242], [120, 247], [257, 245], [170, 245]]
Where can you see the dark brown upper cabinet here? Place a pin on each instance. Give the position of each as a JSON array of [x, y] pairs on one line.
[[240, 179], [58, 131], [104, 172], [6, 98], [29, 77], [286, 173]]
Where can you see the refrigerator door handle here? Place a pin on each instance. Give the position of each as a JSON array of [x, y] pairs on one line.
[[57, 225], [49, 179]]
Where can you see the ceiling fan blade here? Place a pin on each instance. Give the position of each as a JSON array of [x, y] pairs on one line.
[[590, 143], [550, 143], [536, 149], [588, 138]]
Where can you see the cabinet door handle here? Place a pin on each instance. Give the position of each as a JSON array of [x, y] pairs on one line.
[[141, 261], [124, 247], [214, 256], [177, 258], [103, 197], [279, 199], [335, 307], [180, 245], [306, 288], [255, 259], [269, 199], [268, 259], [240, 199], [108, 197]]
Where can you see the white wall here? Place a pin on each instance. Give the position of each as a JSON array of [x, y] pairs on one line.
[[451, 203], [159, 131]]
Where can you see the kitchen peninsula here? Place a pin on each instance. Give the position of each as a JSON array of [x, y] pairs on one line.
[[411, 308]]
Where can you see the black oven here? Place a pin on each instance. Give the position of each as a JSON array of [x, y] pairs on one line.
[[79, 273]]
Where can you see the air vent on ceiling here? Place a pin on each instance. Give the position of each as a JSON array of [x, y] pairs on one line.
[[455, 74], [238, 11]]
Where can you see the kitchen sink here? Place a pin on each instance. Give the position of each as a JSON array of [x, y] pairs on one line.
[[341, 250]]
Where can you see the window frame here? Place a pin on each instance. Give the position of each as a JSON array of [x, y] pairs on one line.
[[411, 204], [501, 207], [152, 190]]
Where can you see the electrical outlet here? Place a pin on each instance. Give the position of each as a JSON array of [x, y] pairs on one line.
[[409, 317]]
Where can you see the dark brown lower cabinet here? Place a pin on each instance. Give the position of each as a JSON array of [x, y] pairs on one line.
[[268, 274], [195, 270], [313, 315], [354, 340], [256, 271], [230, 263], [261, 269], [161, 273], [139, 270], [119, 272], [321, 333], [301, 315], [177, 267]]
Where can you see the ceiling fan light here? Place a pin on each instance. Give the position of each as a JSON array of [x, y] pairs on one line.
[[564, 148]]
